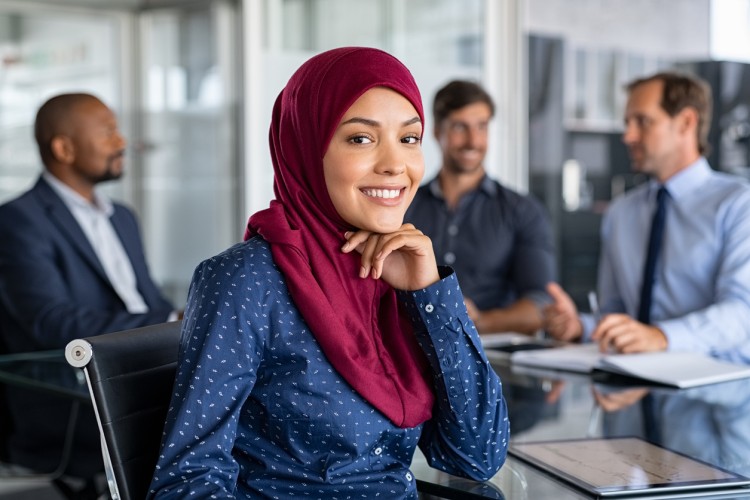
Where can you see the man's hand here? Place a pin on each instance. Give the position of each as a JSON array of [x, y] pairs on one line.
[[522, 316], [471, 308], [561, 316], [404, 258], [623, 334]]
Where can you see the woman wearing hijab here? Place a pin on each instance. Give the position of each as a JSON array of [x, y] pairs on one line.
[[317, 354]]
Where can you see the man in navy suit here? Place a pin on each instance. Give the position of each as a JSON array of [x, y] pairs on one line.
[[71, 265]]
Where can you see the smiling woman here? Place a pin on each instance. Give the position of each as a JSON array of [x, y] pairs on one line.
[[374, 163], [318, 354]]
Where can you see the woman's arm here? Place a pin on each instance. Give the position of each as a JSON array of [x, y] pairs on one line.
[[219, 356], [468, 433], [469, 430]]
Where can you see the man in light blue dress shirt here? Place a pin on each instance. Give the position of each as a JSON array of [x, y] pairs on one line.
[[701, 293]]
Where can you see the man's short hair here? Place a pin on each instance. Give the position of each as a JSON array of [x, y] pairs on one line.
[[684, 91], [457, 94]]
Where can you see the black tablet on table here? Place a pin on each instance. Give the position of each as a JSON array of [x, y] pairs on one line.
[[624, 467]]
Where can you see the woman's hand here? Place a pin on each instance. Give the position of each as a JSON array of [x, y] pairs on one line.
[[404, 258]]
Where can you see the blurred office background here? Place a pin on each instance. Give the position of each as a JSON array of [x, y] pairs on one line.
[[193, 83]]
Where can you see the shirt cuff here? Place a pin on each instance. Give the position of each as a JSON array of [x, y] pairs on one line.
[[679, 337], [435, 306]]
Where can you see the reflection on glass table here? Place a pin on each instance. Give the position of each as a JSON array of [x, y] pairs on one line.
[[710, 423]]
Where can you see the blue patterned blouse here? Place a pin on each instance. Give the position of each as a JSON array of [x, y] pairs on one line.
[[259, 412]]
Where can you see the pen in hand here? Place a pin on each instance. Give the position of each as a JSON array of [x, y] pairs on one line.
[[596, 312], [594, 306]]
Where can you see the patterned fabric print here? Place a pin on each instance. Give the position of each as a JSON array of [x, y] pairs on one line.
[[258, 411]]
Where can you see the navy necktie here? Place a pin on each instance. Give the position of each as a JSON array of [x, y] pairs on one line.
[[654, 247], [648, 410]]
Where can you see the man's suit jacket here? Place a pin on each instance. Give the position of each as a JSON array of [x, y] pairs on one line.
[[54, 289]]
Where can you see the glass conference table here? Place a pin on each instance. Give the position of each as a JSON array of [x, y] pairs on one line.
[[710, 423]]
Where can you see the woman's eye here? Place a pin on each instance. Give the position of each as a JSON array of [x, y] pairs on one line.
[[360, 139], [412, 139]]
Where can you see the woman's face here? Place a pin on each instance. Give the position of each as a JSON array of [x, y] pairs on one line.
[[374, 163]]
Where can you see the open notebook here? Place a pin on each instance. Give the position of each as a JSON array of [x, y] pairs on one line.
[[675, 369]]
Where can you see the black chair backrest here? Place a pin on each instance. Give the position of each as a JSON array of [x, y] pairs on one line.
[[130, 376]]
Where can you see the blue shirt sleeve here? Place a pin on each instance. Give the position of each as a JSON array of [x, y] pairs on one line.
[[469, 430], [217, 367], [722, 329]]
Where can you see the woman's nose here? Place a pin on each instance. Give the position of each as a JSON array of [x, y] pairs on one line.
[[391, 162]]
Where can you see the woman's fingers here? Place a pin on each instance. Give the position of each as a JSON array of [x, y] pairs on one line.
[[368, 250], [354, 240], [411, 262]]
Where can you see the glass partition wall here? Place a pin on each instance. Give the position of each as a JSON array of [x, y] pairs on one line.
[[188, 136], [171, 76]]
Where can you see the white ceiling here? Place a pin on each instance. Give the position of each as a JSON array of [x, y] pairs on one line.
[[114, 4]]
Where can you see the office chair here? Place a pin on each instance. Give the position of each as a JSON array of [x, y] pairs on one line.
[[130, 376]]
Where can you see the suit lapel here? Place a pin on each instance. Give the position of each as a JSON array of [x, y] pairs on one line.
[[130, 243], [64, 220]]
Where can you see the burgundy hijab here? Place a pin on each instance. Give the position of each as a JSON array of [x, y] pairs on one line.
[[356, 321]]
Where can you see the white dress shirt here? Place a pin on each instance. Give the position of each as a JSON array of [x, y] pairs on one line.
[[94, 219]]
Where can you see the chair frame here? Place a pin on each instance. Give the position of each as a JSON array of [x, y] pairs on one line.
[[10, 471], [117, 365]]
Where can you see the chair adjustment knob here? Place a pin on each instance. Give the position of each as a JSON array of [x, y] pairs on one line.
[[78, 353]]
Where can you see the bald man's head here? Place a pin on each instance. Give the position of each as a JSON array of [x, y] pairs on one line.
[[79, 141], [58, 116]]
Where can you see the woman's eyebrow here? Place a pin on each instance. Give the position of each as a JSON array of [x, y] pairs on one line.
[[414, 120], [375, 123], [363, 121]]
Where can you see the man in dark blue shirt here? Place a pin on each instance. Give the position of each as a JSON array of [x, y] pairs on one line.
[[498, 241]]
